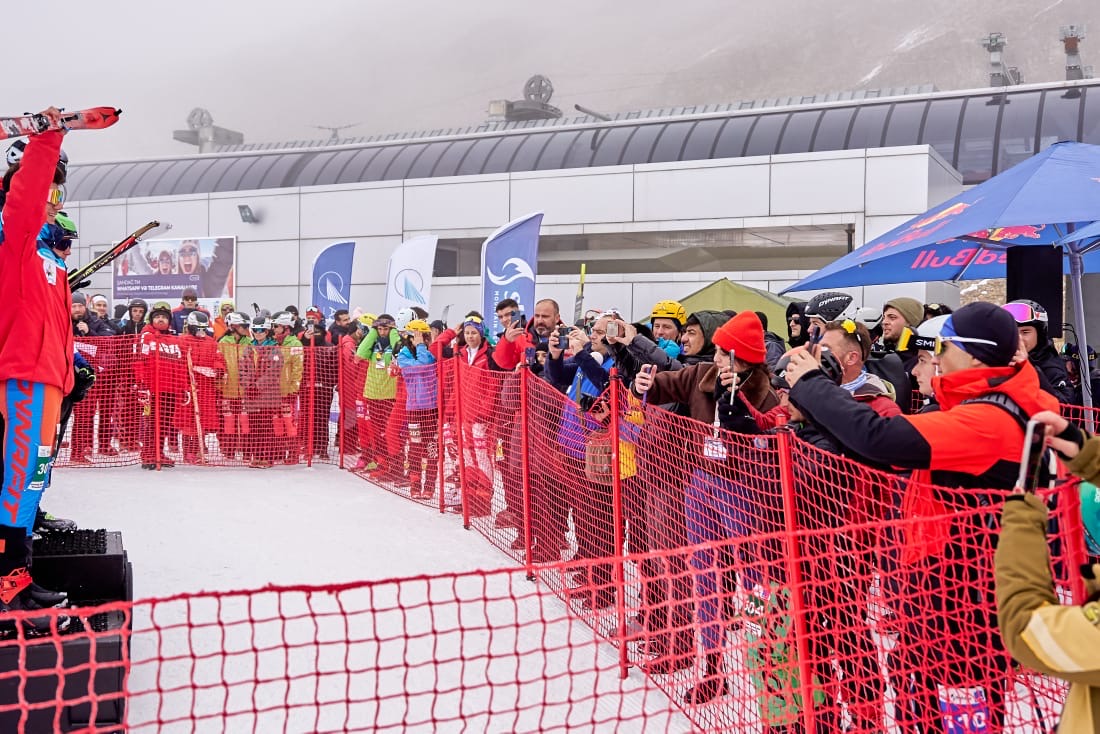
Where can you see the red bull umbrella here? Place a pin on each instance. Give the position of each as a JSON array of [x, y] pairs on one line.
[[1048, 200]]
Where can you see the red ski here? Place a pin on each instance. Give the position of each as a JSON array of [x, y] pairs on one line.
[[93, 118]]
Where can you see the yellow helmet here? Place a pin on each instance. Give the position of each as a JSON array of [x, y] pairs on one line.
[[367, 320], [418, 325], [669, 310]]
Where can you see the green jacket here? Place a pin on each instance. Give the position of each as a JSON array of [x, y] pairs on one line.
[[1061, 640], [231, 347], [380, 384], [290, 379]]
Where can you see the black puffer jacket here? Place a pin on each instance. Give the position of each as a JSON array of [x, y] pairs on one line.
[[798, 307], [1053, 376]]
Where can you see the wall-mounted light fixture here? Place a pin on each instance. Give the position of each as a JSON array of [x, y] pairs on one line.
[[247, 215]]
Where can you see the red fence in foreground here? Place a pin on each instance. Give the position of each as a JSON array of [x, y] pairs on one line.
[[739, 583]]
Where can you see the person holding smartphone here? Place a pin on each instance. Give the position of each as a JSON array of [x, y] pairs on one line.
[[421, 408], [1061, 640]]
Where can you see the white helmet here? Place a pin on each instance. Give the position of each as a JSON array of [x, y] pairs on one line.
[[236, 318], [198, 320], [261, 322], [928, 332], [285, 318], [869, 316], [403, 317]]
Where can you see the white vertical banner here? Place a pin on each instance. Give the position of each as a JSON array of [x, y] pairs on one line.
[[409, 282]]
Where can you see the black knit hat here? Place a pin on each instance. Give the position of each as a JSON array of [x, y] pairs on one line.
[[985, 322]]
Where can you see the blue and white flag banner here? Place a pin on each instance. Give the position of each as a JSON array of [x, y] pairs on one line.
[[409, 282], [509, 261], [332, 278]]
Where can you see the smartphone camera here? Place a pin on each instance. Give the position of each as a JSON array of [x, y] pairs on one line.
[[612, 329], [563, 337], [521, 322]]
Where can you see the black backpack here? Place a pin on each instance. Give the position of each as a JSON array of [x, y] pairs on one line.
[[890, 368]]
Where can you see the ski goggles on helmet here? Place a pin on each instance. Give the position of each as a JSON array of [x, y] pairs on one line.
[[1024, 313], [56, 196]]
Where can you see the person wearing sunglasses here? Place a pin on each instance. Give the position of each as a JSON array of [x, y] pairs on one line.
[[986, 392], [189, 302], [1033, 323]]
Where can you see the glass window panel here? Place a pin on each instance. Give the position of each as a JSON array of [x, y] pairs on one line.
[[765, 134], [671, 142], [640, 144], [867, 128], [796, 136], [529, 151], [81, 189], [215, 169], [144, 185], [348, 166], [189, 181], [833, 129], [234, 174], [1061, 109], [167, 183], [941, 125], [106, 184], [700, 141], [501, 157], [422, 166], [1019, 120], [310, 173], [609, 149], [399, 166], [731, 140], [376, 165], [553, 155], [975, 160], [447, 163], [581, 150], [125, 185], [904, 125], [275, 176], [1091, 131], [477, 156]]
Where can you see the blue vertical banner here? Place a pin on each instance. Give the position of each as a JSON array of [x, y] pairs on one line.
[[509, 261], [332, 278]]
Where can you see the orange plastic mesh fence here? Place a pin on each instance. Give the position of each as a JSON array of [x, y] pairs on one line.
[[745, 582]]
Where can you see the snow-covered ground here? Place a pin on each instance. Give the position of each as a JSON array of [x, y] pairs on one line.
[[371, 658]]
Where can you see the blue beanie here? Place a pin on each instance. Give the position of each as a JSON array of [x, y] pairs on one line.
[[990, 323]]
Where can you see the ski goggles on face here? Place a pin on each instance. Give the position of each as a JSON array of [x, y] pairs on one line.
[[1023, 313], [56, 196]]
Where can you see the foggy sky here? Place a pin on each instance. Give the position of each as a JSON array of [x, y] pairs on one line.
[[273, 69]]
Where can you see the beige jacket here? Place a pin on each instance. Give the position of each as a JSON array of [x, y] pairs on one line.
[[1052, 638]]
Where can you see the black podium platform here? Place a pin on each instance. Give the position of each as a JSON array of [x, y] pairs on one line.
[[92, 566]]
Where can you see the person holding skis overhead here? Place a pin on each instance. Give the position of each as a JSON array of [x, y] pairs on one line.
[[36, 365]]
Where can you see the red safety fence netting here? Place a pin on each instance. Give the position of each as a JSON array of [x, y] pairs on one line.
[[758, 582]]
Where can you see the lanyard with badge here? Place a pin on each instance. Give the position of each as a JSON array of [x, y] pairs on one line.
[[713, 447]]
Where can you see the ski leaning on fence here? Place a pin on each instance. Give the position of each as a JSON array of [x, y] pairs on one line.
[[84, 272], [93, 118]]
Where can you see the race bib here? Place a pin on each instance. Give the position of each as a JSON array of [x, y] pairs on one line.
[[713, 448], [41, 468], [964, 710]]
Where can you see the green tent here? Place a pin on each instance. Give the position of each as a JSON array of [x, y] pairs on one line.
[[725, 294]]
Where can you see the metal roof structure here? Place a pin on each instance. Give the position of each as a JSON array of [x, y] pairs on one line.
[[979, 132]]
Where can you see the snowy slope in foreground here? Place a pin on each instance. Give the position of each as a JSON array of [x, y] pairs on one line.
[[292, 662]]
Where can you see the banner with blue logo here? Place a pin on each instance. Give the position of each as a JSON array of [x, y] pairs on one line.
[[409, 282], [509, 261], [332, 278]]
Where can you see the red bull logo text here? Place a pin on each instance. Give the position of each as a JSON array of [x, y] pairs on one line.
[[929, 258], [919, 229]]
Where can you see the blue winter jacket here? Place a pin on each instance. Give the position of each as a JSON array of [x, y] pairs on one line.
[[421, 378]]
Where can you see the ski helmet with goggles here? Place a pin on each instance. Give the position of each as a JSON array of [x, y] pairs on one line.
[[670, 310], [828, 306], [1029, 313], [197, 320], [15, 156], [284, 318], [403, 317], [261, 323], [236, 318]]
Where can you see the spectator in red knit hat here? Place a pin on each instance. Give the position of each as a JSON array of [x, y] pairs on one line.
[[740, 343]]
